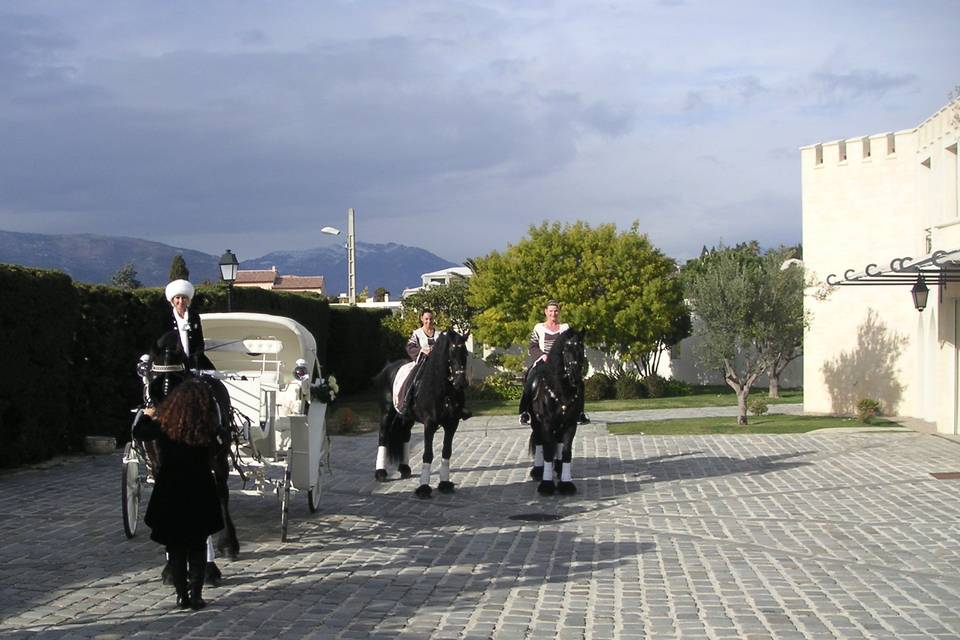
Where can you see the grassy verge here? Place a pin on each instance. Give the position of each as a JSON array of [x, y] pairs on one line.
[[365, 413], [763, 424]]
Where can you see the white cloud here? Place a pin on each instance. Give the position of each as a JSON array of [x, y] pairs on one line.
[[448, 126]]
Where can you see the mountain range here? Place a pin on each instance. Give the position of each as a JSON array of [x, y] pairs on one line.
[[95, 259]]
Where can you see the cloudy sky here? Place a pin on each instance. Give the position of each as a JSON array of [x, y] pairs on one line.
[[448, 125]]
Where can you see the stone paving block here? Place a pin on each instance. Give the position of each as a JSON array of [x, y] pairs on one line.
[[809, 536]]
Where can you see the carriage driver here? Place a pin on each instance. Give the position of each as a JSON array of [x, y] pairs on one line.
[[541, 339], [180, 293], [419, 347]]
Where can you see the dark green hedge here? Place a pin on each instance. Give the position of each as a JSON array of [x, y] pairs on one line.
[[67, 369], [39, 318], [359, 346]]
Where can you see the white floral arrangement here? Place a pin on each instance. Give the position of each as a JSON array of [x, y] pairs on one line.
[[324, 390]]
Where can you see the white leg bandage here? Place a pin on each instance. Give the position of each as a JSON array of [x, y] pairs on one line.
[[381, 457], [566, 474], [538, 456], [405, 459], [425, 474], [445, 470], [211, 551], [548, 471]]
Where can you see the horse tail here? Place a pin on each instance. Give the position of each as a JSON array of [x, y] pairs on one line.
[[395, 442]]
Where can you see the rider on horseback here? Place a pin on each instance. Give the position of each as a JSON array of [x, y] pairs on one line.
[[541, 339], [418, 348]]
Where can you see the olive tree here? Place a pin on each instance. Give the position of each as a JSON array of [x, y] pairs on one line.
[[750, 310]]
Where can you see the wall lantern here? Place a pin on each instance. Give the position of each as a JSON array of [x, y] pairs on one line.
[[920, 293]]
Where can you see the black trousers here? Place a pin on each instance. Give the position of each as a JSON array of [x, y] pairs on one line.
[[187, 561]]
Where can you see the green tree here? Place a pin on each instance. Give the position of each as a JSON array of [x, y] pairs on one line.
[[178, 269], [785, 304], [449, 304], [380, 294], [126, 277], [618, 287], [748, 308]]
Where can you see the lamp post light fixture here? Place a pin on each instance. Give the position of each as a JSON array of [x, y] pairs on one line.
[[228, 271], [920, 293], [351, 255]]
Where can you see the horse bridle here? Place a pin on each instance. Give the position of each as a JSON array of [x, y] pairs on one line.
[[454, 372]]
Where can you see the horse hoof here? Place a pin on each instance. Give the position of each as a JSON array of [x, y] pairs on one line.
[[380, 475], [445, 486], [546, 488], [566, 488], [405, 471], [423, 491], [212, 577], [536, 473]]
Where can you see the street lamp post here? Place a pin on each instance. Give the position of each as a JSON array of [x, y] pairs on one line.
[[228, 271], [351, 254]]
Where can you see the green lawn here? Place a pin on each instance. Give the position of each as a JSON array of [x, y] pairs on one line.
[[763, 424], [706, 396]]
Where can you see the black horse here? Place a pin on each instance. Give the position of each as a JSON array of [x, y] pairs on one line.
[[438, 403], [556, 401], [168, 369]]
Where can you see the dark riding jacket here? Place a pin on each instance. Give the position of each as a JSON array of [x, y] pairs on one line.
[[197, 358]]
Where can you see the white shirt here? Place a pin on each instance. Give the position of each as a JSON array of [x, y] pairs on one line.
[[182, 325]]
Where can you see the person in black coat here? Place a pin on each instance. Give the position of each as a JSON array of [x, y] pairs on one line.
[[186, 323], [184, 508]]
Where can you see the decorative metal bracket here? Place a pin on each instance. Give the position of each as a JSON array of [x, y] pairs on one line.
[[936, 268]]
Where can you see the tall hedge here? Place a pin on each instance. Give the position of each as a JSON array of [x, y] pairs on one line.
[[67, 368], [39, 318], [359, 347]]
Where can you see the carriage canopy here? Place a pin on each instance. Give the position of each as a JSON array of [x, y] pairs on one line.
[[258, 343]]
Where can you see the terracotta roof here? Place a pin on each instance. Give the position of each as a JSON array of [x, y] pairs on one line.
[[256, 275], [299, 282]]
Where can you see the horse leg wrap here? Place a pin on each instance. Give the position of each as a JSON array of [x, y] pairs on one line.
[[211, 552], [425, 474], [445, 470], [538, 456], [381, 457], [405, 459], [548, 472], [567, 474]]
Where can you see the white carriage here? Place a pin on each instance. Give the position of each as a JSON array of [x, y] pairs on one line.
[[268, 364]]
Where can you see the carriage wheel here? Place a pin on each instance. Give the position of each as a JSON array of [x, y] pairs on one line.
[[130, 490], [313, 493], [285, 503]]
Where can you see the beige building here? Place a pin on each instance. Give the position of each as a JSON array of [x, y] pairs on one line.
[[867, 202], [270, 279]]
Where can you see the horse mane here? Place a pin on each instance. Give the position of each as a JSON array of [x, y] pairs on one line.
[[554, 364], [435, 366]]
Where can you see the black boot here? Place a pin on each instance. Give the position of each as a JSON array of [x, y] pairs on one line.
[[198, 569], [583, 419], [177, 571]]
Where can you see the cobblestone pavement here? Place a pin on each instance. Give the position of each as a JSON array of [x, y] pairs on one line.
[[826, 535]]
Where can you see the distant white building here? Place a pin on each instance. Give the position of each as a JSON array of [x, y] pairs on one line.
[[441, 277]]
